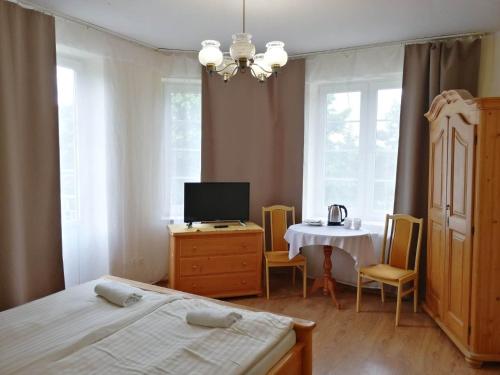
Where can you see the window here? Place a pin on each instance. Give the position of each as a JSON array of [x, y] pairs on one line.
[[68, 144], [183, 141], [355, 149]]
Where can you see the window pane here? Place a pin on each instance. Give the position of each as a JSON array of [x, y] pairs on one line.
[[341, 164], [384, 196], [387, 135], [183, 142], [386, 151], [343, 106], [185, 106], [186, 134], [187, 164], [342, 191], [342, 135], [385, 165], [388, 104], [342, 147], [68, 147]]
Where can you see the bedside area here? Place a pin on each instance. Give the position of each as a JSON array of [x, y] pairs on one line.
[[216, 262]]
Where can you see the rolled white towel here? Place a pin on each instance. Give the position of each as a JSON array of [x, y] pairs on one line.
[[118, 294], [215, 318]]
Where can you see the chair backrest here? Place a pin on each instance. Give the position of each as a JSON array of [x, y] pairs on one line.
[[401, 239], [278, 224]]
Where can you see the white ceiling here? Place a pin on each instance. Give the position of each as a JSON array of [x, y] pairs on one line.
[[304, 25]]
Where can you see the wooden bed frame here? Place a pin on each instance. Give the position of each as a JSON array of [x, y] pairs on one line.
[[298, 360]]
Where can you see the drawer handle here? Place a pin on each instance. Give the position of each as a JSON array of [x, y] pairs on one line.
[[243, 282], [195, 266], [194, 286], [244, 264], [194, 248]]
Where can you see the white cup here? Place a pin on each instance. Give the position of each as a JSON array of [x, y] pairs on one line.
[[347, 223], [356, 223]]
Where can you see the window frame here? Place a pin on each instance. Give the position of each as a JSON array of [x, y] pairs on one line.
[[367, 143]]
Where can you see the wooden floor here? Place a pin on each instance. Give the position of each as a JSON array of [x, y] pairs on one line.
[[367, 343]]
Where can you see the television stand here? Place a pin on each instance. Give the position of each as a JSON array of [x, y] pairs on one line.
[[214, 262]]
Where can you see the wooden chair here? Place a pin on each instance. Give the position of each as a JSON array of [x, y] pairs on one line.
[[277, 256], [396, 271]]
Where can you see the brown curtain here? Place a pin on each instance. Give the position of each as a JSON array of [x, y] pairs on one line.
[[254, 132], [428, 69], [30, 216]]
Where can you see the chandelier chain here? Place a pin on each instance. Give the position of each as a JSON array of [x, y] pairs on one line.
[[243, 15]]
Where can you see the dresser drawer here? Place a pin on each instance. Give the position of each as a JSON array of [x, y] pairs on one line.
[[220, 245], [226, 284], [219, 264]]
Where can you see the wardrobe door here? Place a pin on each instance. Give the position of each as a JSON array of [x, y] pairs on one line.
[[459, 229], [437, 215]]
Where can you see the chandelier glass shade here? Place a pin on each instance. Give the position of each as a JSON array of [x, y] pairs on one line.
[[210, 54], [242, 56]]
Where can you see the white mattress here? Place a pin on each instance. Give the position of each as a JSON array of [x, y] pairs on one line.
[[75, 332], [274, 355]]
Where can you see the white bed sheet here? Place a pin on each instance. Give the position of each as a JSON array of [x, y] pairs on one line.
[[163, 343], [75, 332], [52, 327]]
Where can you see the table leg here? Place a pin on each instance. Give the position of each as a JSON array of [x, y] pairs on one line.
[[326, 282]]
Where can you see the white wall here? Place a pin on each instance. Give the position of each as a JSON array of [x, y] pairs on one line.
[[489, 71]]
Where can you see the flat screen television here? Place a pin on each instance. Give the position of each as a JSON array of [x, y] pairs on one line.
[[216, 201]]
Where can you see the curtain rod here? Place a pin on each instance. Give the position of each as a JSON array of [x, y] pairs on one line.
[[30, 5], [393, 43]]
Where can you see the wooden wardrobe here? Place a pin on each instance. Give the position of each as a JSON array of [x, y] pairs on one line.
[[463, 231]]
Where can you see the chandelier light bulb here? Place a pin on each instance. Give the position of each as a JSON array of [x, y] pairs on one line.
[[210, 54], [275, 55], [260, 69], [227, 68], [242, 47]]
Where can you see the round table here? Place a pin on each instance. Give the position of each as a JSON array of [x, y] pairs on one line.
[[357, 243]]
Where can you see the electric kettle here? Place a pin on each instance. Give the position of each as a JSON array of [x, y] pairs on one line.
[[335, 216]]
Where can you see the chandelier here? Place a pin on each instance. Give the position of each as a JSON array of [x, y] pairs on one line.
[[242, 57]]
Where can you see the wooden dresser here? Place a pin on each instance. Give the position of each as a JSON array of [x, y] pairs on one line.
[[463, 229], [216, 262]]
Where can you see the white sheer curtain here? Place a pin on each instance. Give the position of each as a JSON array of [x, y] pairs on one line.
[[114, 159], [351, 139]]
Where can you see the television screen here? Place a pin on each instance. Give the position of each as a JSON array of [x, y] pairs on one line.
[[212, 201]]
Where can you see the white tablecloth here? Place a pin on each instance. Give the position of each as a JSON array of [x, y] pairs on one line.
[[357, 243]]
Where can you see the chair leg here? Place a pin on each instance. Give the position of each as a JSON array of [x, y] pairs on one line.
[[398, 304], [358, 293], [304, 281], [415, 295], [293, 275], [382, 295], [267, 281]]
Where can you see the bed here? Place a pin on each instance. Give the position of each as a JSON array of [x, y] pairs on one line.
[[74, 332]]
